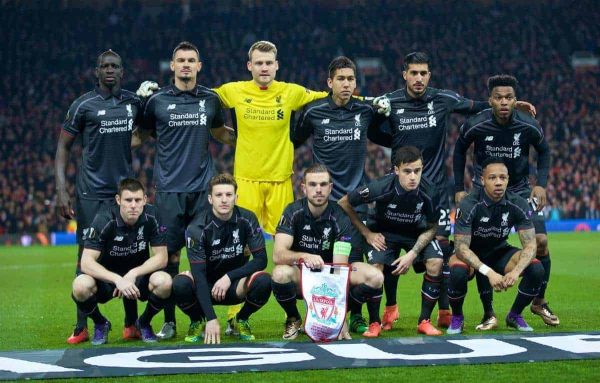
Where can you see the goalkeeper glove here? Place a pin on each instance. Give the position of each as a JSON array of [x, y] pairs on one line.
[[147, 89], [383, 105]]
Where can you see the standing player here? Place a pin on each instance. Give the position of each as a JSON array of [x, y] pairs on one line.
[[419, 117], [484, 221], [507, 133], [317, 231], [104, 117], [404, 219], [181, 116], [339, 125], [221, 272], [116, 261]]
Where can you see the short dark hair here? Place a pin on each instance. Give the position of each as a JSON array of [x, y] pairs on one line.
[[130, 184], [490, 161], [502, 80], [316, 168], [109, 52], [406, 155], [416, 58], [340, 62], [222, 179], [185, 46]]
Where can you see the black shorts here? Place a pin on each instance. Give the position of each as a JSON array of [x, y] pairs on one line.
[[358, 241], [176, 211], [440, 201], [86, 210], [105, 289], [498, 258], [397, 243], [231, 297]]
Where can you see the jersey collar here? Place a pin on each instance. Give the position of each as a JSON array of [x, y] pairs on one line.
[[177, 92], [403, 192], [219, 222], [326, 213], [334, 106], [488, 201], [107, 94], [120, 223]]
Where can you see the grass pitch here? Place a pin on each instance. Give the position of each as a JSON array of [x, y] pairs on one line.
[[36, 312]]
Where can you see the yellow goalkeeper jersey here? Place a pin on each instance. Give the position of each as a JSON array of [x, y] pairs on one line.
[[262, 118]]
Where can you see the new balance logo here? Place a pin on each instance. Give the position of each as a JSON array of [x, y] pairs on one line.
[[400, 111], [392, 206], [484, 219], [248, 100], [118, 238], [489, 138], [216, 242], [101, 112], [306, 227], [325, 121], [171, 107]]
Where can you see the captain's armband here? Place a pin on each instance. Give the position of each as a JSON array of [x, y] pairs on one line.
[[342, 248]]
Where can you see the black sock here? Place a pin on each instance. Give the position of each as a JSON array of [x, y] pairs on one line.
[[362, 293], [447, 250], [131, 311], [169, 306], [153, 307], [547, 264], [457, 287], [81, 321], [430, 292], [285, 294], [90, 309], [390, 285], [184, 296], [529, 287], [258, 295], [486, 295]]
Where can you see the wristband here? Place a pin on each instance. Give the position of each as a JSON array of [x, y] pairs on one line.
[[484, 269]]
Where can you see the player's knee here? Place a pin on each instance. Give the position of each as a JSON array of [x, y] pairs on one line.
[[84, 287], [174, 258], [161, 284], [542, 245], [182, 289], [534, 273], [259, 290], [282, 274], [434, 266], [373, 277], [459, 276]]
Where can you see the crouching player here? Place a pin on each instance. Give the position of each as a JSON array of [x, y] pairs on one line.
[[317, 231], [484, 221], [116, 262], [404, 219], [221, 274]]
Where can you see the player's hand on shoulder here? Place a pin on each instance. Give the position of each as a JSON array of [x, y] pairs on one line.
[[383, 105], [538, 194], [147, 89], [312, 261], [458, 196], [526, 107], [212, 332]]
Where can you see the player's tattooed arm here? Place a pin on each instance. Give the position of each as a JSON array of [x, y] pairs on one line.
[[425, 238], [528, 242], [462, 245]]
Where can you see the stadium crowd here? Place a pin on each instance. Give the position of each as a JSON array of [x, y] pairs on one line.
[[50, 59]]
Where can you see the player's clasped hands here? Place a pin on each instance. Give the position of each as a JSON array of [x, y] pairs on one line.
[[377, 240], [510, 279], [125, 287], [212, 332], [220, 288], [497, 281]]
